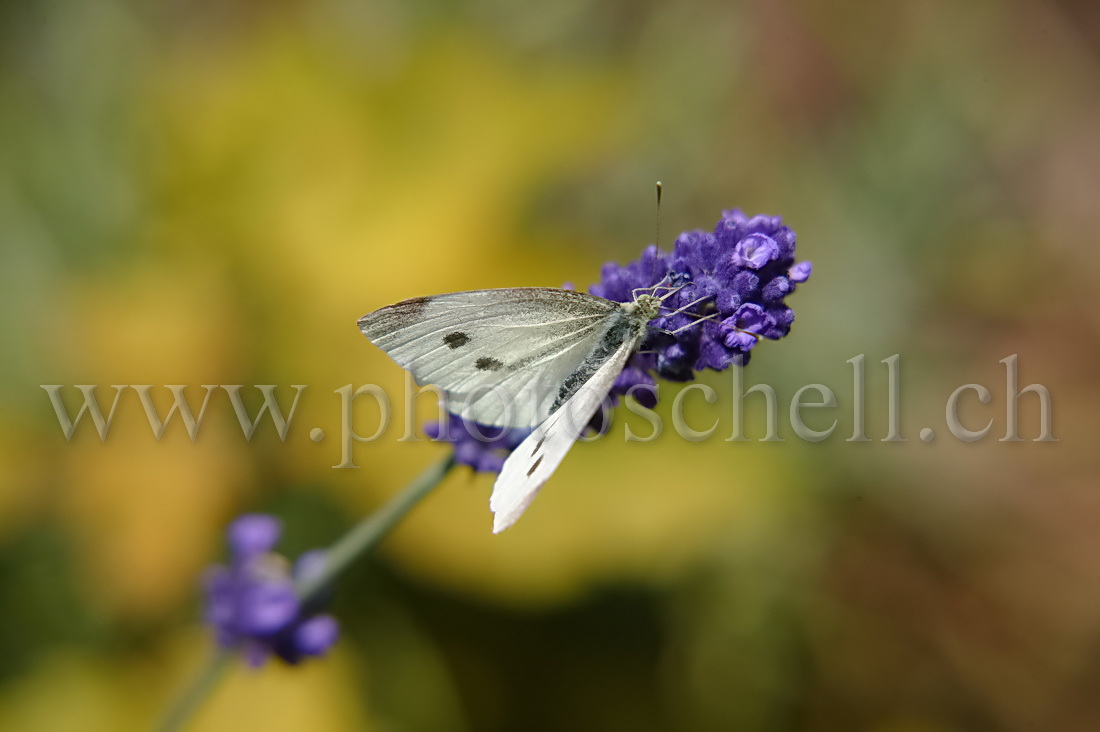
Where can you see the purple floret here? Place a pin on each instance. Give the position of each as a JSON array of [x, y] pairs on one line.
[[744, 270], [735, 279], [482, 448], [252, 604]]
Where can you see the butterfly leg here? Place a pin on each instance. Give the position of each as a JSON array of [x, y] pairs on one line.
[[692, 323], [653, 288], [687, 307]]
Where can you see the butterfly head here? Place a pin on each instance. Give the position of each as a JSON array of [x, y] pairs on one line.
[[646, 306]]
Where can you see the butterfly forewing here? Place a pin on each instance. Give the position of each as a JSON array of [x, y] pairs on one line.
[[500, 355]]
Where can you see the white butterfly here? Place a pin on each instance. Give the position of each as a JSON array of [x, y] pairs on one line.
[[517, 357]]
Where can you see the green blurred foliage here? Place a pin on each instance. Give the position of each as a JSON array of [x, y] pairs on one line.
[[212, 193]]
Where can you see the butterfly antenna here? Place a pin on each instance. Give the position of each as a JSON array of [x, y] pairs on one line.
[[657, 238], [657, 233]]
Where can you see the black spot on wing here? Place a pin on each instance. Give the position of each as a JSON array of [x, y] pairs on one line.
[[488, 364], [539, 444], [535, 466], [456, 339]]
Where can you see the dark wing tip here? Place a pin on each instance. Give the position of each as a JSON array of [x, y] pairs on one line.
[[386, 319], [366, 322]]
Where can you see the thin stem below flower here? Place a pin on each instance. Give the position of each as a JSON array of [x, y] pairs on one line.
[[196, 693], [362, 538], [368, 532]]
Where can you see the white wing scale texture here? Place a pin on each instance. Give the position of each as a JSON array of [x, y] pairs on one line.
[[526, 341]]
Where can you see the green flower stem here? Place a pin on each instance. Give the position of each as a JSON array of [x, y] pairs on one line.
[[368, 532], [196, 692], [356, 543]]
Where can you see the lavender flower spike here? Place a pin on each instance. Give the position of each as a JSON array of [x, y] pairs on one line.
[[252, 604], [734, 279], [741, 273]]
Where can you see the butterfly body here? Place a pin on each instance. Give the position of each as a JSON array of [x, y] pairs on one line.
[[518, 357]]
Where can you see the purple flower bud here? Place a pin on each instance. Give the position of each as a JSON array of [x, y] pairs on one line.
[[220, 598], [753, 318], [745, 284], [266, 606], [316, 635], [633, 376], [754, 251], [740, 339], [776, 290], [480, 447], [434, 430], [784, 237], [674, 362], [800, 272], [727, 301], [713, 355], [782, 316], [252, 604], [644, 394], [254, 533], [489, 462]]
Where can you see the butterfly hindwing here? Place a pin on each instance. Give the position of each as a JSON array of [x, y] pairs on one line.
[[525, 341], [534, 461]]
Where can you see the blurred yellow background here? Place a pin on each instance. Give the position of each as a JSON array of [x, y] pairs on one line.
[[213, 193]]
